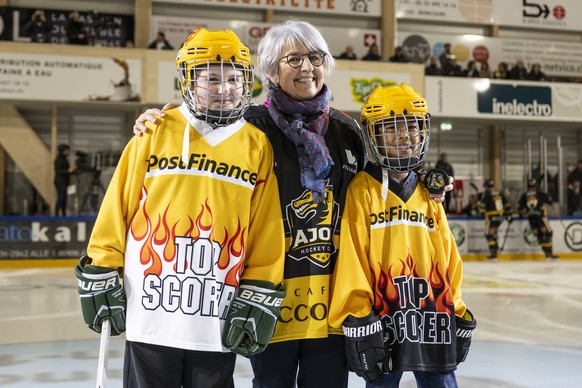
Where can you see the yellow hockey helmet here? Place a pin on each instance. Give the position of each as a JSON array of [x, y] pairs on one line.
[[230, 89], [216, 46], [396, 127]]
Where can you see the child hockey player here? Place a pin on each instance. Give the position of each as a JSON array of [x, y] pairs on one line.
[[192, 221], [397, 285]]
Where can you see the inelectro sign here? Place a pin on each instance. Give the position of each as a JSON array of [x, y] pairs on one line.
[[529, 101]]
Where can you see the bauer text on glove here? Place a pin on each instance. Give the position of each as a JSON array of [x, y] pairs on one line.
[[102, 296], [252, 317]]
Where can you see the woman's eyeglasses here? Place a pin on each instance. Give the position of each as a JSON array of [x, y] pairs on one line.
[[295, 60]]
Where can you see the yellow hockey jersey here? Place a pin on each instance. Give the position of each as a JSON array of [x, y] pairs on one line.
[[186, 230], [398, 258]]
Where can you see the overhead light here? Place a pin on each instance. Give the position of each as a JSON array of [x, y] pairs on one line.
[[445, 126], [482, 84]]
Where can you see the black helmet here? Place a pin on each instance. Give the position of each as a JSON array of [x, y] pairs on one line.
[[489, 183], [531, 182], [62, 147]]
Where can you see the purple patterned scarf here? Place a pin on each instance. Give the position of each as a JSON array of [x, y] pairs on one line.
[[305, 124]]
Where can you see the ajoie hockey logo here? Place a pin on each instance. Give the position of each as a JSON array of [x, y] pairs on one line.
[[509, 100], [314, 222]]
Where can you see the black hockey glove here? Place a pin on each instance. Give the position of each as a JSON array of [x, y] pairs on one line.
[[252, 317], [465, 330], [101, 295], [365, 347]]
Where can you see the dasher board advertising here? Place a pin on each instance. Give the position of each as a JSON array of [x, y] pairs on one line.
[[360, 8], [531, 14]]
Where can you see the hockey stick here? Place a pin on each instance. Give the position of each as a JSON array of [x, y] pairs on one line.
[[103, 354], [505, 238], [474, 186]]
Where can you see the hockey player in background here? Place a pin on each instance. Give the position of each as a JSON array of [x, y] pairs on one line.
[[496, 208], [396, 289], [532, 205], [191, 221]]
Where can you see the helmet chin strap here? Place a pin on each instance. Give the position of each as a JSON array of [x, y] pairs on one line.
[[221, 118]]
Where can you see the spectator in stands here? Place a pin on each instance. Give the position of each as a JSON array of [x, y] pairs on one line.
[[446, 58], [160, 43], [39, 27], [453, 69], [471, 71], [74, 28], [536, 73], [433, 67], [576, 173], [472, 208], [484, 70], [518, 71], [574, 199], [399, 56], [373, 54], [348, 54], [502, 70]]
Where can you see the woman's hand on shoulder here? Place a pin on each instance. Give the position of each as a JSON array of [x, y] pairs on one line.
[[150, 115]]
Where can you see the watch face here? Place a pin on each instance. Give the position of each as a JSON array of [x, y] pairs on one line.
[[436, 180]]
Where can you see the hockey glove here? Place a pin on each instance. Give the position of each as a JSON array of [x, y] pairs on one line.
[[465, 330], [102, 296], [252, 317], [365, 347]]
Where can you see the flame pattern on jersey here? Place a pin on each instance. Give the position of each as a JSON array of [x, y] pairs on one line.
[[186, 233], [406, 268]]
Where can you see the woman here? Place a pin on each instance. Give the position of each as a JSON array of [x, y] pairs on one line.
[[317, 152]]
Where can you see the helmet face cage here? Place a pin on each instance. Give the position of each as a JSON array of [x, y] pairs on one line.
[[216, 76], [218, 92], [396, 127], [399, 142]]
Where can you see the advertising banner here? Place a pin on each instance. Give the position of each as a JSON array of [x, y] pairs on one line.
[[519, 239], [360, 8], [485, 98], [535, 14], [101, 29], [67, 237], [559, 59], [68, 78], [177, 29], [44, 237]]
